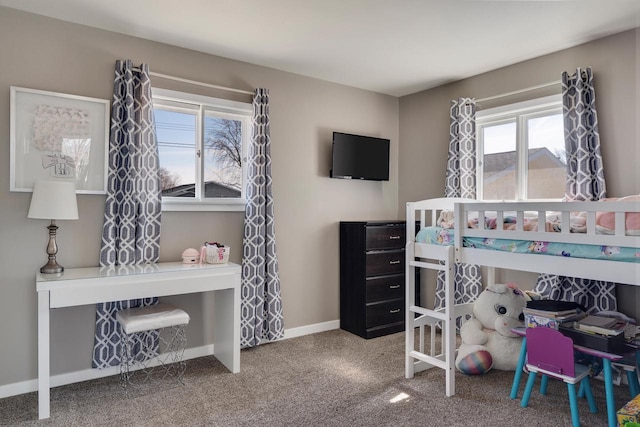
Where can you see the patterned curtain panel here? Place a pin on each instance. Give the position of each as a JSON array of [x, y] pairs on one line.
[[585, 182], [131, 229], [261, 302], [585, 172], [461, 182]]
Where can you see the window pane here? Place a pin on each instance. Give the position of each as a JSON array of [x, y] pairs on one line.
[[176, 133], [547, 158], [499, 162], [222, 156]]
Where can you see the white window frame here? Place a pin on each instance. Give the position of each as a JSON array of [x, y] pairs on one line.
[[518, 113], [187, 102]]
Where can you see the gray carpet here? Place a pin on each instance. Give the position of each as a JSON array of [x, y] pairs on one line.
[[328, 379]]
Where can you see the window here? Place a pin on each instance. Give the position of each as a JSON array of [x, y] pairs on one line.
[[201, 144], [521, 151]]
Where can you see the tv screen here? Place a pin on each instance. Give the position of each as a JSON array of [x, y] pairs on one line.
[[360, 157]]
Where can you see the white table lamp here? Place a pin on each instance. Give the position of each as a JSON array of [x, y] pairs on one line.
[[53, 200]]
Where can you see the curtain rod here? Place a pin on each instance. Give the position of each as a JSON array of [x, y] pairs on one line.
[[516, 92], [197, 83]]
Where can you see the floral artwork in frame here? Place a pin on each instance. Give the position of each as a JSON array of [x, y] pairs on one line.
[[56, 136]]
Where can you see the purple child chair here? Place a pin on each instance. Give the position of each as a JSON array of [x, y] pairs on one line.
[[551, 353]]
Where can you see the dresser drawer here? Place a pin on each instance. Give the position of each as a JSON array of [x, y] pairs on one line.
[[384, 288], [380, 313], [389, 262], [385, 237]]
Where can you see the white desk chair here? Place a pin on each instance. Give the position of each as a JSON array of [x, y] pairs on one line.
[[170, 344]]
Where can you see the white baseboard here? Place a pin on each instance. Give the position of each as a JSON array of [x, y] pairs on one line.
[[311, 329], [189, 353], [89, 374]]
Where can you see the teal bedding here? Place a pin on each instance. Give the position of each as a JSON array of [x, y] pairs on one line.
[[445, 236]]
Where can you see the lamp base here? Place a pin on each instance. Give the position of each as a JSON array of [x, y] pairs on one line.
[[51, 268]]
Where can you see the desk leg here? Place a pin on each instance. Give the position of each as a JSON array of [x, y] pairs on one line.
[[43, 355], [519, 367], [632, 379], [226, 327], [608, 387]]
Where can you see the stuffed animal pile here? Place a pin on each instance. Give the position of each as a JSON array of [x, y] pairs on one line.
[[487, 340]]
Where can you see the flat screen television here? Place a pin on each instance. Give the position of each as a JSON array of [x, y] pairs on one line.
[[359, 157]]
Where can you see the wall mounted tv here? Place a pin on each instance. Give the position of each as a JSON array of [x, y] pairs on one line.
[[359, 157]]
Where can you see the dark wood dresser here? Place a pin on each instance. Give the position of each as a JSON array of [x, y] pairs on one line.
[[372, 277]]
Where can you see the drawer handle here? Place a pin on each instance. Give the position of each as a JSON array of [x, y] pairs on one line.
[[394, 286], [397, 310], [394, 237], [394, 262]]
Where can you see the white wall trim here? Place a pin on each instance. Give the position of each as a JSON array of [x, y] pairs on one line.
[[311, 329], [190, 353], [89, 374]]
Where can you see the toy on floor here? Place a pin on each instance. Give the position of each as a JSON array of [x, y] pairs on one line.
[[487, 340]]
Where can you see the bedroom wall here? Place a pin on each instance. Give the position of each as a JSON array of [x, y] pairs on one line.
[[615, 60], [47, 54]]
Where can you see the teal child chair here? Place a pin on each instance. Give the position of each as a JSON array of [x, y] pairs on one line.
[[550, 353]]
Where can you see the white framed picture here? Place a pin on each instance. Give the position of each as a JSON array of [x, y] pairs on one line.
[[56, 136]]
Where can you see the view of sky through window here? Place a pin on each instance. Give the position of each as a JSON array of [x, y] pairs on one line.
[[176, 133], [546, 131]]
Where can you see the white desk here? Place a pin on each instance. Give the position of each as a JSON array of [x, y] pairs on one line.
[[82, 286]]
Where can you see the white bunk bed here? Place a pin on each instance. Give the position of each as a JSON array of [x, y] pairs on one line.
[[442, 258]]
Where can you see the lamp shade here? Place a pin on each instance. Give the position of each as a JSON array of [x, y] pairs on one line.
[[53, 200]]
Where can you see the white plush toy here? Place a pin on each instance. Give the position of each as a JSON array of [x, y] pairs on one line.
[[487, 340]]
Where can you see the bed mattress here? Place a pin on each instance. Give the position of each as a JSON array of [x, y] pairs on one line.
[[445, 236]]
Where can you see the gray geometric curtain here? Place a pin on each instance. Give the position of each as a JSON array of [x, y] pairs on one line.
[[261, 310], [461, 182], [585, 182], [131, 229]]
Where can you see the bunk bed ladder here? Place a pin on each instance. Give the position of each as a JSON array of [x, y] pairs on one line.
[[419, 317]]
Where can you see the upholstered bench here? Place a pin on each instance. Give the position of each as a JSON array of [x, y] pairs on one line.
[[168, 346]]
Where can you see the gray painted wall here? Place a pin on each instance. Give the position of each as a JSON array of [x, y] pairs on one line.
[[47, 54], [424, 123]]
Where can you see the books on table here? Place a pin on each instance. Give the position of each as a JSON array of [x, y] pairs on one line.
[[601, 325], [601, 321], [610, 332], [554, 308], [550, 319], [556, 314], [564, 315]]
